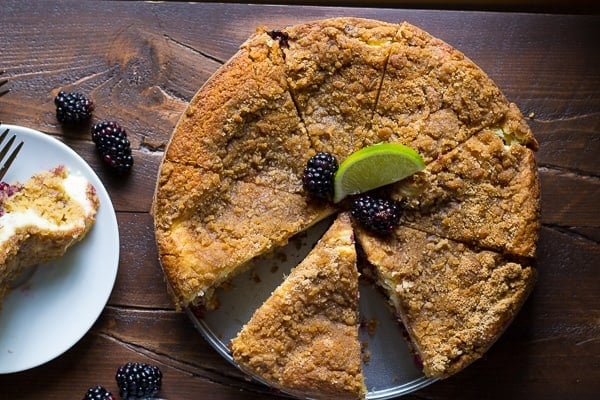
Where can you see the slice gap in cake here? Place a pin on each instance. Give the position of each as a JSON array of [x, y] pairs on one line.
[[208, 237], [225, 197], [454, 300], [304, 339], [41, 219]]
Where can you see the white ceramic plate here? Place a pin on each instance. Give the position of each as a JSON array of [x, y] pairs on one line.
[[391, 370], [48, 313]]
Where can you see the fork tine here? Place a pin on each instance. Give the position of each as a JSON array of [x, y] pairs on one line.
[[3, 135], [6, 147], [2, 82], [11, 158]]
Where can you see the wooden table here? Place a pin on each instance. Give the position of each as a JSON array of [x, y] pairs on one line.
[[143, 61]]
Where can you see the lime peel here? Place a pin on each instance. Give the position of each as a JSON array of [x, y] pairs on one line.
[[375, 166]]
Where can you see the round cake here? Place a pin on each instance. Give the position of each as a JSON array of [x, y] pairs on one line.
[[460, 264]]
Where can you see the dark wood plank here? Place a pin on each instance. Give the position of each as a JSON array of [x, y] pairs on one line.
[[570, 200], [537, 6], [140, 282]]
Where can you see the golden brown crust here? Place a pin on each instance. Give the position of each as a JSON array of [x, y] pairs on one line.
[[484, 192], [304, 338], [334, 69], [432, 96], [454, 300], [239, 137], [242, 124], [216, 234]]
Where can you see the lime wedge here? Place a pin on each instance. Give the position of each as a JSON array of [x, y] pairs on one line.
[[375, 166]]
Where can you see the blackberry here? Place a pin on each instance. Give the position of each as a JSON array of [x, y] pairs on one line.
[[113, 146], [318, 175], [282, 37], [73, 107], [138, 380], [98, 393], [376, 214]]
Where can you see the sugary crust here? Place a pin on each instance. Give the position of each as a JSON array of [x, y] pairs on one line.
[[334, 69], [304, 338], [455, 301], [239, 137], [242, 124], [214, 228], [484, 192], [433, 97]]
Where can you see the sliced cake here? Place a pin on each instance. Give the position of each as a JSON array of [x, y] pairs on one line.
[[230, 184], [218, 234], [304, 338], [432, 96], [454, 300], [41, 218], [230, 189]]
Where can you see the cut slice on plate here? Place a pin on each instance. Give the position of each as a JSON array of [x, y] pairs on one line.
[[41, 219], [304, 338], [454, 300], [375, 166]]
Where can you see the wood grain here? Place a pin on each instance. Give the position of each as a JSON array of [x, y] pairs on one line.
[[142, 62]]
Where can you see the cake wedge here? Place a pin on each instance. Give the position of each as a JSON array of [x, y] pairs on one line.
[[41, 218], [454, 300], [304, 338]]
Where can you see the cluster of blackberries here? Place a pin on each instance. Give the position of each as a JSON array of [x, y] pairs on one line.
[[98, 393], [112, 144], [135, 381], [379, 215]]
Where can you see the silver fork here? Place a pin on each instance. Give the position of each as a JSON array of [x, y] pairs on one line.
[[3, 82], [5, 149]]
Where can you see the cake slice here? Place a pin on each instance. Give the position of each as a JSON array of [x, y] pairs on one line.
[[454, 300], [217, 235], [433, 97], [484, 192], [334, 69], [41, 218], [304, 338], [243, 124], [230, 184]]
